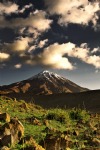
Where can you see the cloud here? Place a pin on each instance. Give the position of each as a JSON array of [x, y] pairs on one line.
[[33, 25], [33, 47], [18, 66], [95, 50], [20, 44], [23, 44], [42, 43], [74, 11], [94, 60], [4, 56], [57, 56], [96, 71], [37, 44], [53, 56], [3, 22], [86, 55], [25, 7], [30, 32], [8, 8], [63, 6], [79, 52], [35, 20]]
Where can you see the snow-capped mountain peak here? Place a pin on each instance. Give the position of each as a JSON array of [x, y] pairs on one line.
[[45, 74], [45, 82], [48, 74]]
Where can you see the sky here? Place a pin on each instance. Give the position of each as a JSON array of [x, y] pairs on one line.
[[62, 36]]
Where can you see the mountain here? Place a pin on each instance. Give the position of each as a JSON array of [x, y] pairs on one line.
[[50, 90], [44, 83]]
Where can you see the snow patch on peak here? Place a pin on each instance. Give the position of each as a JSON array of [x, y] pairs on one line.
[[48, 75], [45, 71]]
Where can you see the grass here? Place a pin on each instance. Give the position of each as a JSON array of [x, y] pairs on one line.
[[79, 127]]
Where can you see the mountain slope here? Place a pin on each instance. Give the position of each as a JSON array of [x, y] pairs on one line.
[[44, 83]]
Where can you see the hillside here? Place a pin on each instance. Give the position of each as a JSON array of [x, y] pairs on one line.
[[53, 129], [89, 100]]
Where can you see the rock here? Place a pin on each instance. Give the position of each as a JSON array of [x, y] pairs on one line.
[[32, 145], [12, 132], [54, 143], [96, 142], [5, 148], [68, 148], [46, 123], [6, 140], [36, 122], [24, 106], [76, 133], [5, 117]]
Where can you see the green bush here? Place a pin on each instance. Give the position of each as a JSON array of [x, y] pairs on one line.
[[58, 115], [79, 115]]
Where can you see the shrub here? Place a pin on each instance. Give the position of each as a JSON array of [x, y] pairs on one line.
[[58, 115], [79, 115]]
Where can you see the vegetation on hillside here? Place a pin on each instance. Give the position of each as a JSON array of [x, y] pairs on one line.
[[75, 128]]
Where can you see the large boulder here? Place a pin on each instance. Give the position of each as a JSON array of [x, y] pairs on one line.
[[11, 133], [4, 117]]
